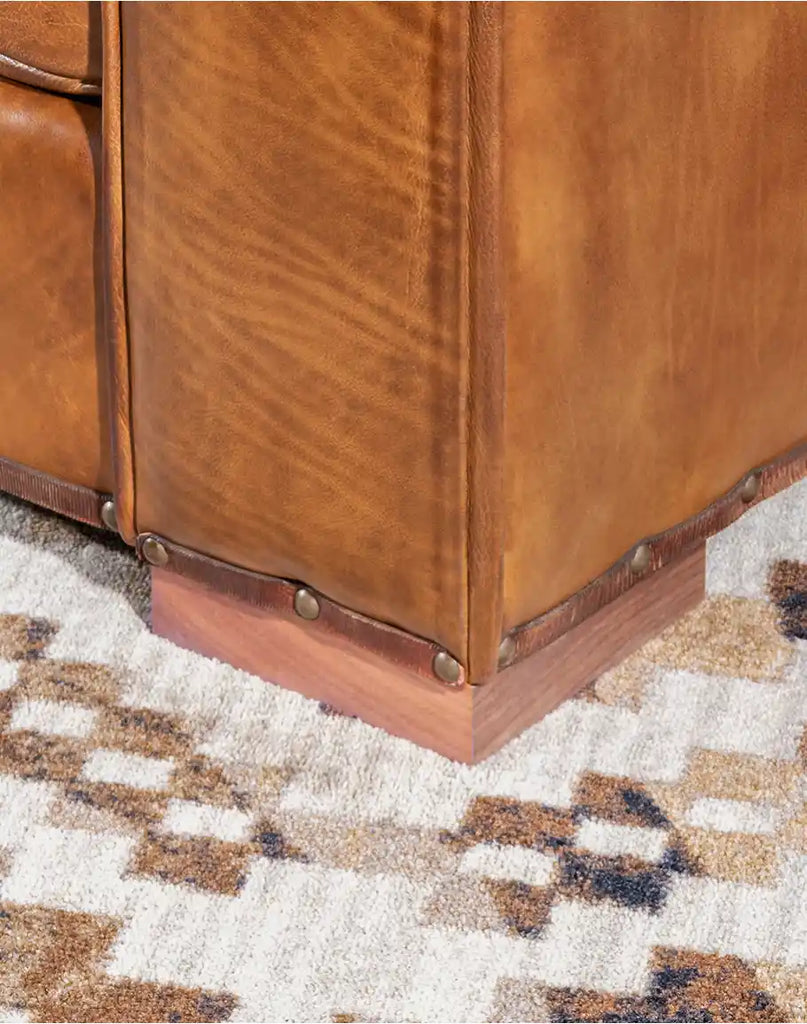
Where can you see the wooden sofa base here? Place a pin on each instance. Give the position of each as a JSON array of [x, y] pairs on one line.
[[466, 724]]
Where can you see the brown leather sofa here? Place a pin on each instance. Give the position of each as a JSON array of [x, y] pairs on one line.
[[418, 347]]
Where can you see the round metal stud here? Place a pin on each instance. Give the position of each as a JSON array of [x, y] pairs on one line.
[[154, 552], [446, 667], [108, 517], [750, 488], [507, 651], [641, 559], [306, 604]]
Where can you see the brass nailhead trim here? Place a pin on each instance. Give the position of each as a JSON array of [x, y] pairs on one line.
[[507, 650], [306, 604], [108, 516], [750, 488], [154, 552], [447, 667], [641, 559]]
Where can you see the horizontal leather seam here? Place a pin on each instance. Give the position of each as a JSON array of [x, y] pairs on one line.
[[27, 74]]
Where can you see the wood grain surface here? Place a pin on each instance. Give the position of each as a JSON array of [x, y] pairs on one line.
[[315, 663], [523, 693], [271, 593], [466, 724]]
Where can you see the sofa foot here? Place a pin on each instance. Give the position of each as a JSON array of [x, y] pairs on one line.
[[466, 724]]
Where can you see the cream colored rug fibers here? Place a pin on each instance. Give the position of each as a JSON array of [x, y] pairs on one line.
[[180, 841]]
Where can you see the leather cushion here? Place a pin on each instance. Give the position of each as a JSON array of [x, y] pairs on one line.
[[52, 45], [52, 374]]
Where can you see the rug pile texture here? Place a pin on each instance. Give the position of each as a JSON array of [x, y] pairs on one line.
[[180, 841]]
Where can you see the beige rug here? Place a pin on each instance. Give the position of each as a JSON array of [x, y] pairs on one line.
[[182, 842]]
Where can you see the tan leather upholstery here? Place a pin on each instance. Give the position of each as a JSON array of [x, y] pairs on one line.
[[51, 388], [304, 372], [439, 308], [62, 40], [290, 195], [656, 249]]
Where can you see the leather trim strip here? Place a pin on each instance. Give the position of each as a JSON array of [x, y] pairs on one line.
[[272, 592], [114, 277], [29, 75], [664, 547], [67, 499]]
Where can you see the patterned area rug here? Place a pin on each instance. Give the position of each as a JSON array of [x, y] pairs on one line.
[[182, 842]]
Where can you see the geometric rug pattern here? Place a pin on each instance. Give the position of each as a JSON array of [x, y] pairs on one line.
[[180, 841]]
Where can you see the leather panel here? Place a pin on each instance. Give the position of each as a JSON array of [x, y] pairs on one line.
[[61, 40], [292, 204], [656, 253], [52, 361]]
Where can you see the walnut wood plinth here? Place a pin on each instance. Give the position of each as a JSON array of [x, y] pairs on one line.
[[466, 724]]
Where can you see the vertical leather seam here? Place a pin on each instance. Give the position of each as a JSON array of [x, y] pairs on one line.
[[114, 276], [448, 256], [464, 315], [486, 341]]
